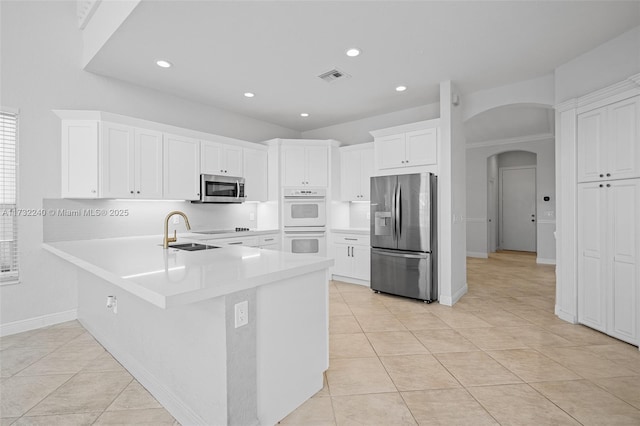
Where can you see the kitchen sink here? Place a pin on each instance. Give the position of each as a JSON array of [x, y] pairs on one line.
[[192, 246]]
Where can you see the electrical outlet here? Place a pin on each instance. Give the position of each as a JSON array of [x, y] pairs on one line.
[[368, 215], [176, 219], [252, 216], [241, 313], [112, 303]]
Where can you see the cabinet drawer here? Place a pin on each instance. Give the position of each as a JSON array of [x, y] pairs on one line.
[[352, 239], [237, 241], [269, 240]]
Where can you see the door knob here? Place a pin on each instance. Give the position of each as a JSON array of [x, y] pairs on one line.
[[533, 220]]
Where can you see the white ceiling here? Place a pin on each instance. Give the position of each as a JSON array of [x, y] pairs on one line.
[[509, 122], [222, 49]]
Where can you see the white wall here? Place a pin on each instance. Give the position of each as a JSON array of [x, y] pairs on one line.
[[355, 132], [41, 55], [452, 273], [607, 64], [477, 175]]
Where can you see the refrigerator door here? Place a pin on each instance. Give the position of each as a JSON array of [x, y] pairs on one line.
[[414, 212], [403, 273], [383, 211]]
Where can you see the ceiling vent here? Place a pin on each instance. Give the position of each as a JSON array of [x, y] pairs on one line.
[[333, 75]]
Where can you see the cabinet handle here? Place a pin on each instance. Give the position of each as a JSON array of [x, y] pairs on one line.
[[131, 192], [93, 191], [348, 255], [268, 239], [608, 185], [351, 251], [350, 239], [608, 174], [601, 175], [601, 185], [137, 192], [234, 244]]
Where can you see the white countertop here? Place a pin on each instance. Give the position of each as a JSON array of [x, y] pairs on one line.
[[173, 277], [359, 231]]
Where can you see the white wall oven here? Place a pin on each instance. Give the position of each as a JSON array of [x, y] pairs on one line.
[[305, 241], [304, 207]]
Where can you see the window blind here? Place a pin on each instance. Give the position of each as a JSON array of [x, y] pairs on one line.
[[8, 192]]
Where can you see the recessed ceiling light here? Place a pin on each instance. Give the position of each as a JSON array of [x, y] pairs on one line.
[[163, 64], [353, 52], [249, 95], [304, 114], [401, 88]]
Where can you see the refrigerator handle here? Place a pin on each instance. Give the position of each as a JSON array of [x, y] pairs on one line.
[[394, 216], [399, 211]]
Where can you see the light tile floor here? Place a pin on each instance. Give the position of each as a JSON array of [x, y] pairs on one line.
[[499, 356]]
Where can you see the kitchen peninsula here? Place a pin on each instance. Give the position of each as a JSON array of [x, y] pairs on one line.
[[171, 321]]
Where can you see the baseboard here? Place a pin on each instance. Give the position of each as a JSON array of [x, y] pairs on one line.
[[543, 261], [350, 280], [174, 405], [450, 301], [565, 316], [478, 254], [37, 322]]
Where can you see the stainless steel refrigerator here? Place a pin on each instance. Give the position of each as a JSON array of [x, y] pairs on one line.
[[403, 235]]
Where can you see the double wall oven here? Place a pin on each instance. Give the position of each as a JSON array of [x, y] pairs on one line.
[[304, 219]]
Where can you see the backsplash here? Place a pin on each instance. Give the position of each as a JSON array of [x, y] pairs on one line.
[[72, 219], [359, 215]]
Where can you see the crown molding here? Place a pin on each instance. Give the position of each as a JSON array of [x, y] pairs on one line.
[[404, 128], [521, 139], [567, 105]]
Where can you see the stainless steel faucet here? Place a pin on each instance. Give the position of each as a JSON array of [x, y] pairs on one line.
[[173, 239]]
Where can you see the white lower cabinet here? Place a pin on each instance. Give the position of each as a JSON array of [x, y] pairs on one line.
[[352, 254], [609, 257], [265, 241]]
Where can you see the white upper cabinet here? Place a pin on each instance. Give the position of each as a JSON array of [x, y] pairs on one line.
[[181, 178], [255, 174], [356, 169], [220, 159], [305, 165], [410, 145], [79, 159], [148, 164], [130, 162], [609, 142], [117, 164]]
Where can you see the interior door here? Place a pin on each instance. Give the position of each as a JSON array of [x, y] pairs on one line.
[[518, 201], [491, 215]]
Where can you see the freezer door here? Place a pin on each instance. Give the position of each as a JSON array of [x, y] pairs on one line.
[[403, 274], [414, 212], [383, 208]]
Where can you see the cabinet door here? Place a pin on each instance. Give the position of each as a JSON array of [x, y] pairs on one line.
[[591, 139], [343, 260], [79, 160], [422, 147], [390, 151], [317, 165], [255, 176], [232, 160], [350, 175], [181, 168], [117, 165], [366, 171], [361, 256], [623, 139], [623, 232], [293, 166], [211, 158], [592, 275], [148, 164]]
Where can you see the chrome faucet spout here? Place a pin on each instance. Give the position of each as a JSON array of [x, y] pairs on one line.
[[167, 239]]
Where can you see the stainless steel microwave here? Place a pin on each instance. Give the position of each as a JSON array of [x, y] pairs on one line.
[[221, 189]]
